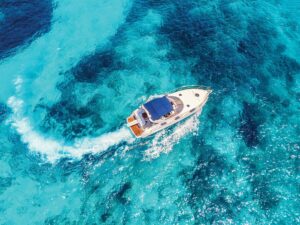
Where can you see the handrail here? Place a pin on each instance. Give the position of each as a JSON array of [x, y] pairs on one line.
[[192, 86]]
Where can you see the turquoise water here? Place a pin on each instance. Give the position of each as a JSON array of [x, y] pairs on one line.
[[72, 71]]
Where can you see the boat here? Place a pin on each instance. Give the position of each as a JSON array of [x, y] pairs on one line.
[[162, 111]]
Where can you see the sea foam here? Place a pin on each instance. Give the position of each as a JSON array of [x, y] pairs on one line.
[[52, 149], [165, 140]]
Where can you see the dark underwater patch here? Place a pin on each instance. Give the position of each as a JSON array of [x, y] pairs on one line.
[[257, 45], [267, 198], [221, 208], [102, 62], [261, 188], [4, 112], [222, 57], [120, 194], [195, 36], [114, 200], [285, 68], [5, 182], [250, 122], [209, 166], [138, 10], [59, 219], [105, 216], [22, 22], [188, 33], [72, 121], [95, 66]]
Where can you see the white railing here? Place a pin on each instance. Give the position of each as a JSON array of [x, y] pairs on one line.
[[191, 87]]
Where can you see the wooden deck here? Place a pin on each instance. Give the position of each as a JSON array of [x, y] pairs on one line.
[[136, 130], [130, 119]]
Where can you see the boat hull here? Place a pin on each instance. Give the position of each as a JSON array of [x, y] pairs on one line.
[[147, 133], [188, 102]]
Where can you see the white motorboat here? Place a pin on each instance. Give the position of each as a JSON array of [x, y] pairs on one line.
[[162, 111]]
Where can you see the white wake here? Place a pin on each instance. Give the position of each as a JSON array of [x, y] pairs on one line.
[[165, 140], [51, 149]]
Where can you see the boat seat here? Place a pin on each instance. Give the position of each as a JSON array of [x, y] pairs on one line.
[[136, 130], [130, 119], [129, 124]]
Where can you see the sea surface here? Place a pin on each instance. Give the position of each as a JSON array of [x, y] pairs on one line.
[[71, 71]]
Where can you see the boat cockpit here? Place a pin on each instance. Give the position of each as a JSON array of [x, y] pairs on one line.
[[143, 118], [157, 110]]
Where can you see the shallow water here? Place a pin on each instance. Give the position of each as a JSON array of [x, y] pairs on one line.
[[72, 71]]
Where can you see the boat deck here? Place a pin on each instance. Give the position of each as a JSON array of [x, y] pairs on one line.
[[177, 103], [136, 130]]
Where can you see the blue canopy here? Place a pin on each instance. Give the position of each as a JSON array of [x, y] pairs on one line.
[[158, 107]]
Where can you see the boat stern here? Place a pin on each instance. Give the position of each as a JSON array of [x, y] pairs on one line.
[[134, 126]]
